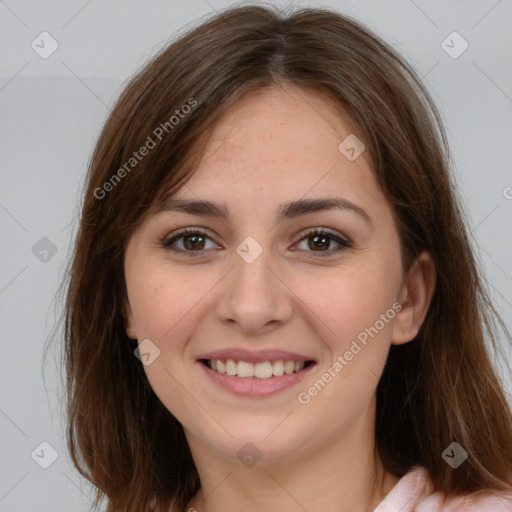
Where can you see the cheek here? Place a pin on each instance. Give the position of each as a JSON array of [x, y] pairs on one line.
[[163, 305], [349, 300], [166, 305], [161, 298], [356, 313]]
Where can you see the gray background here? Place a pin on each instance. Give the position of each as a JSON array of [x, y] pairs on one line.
[[51, 111]]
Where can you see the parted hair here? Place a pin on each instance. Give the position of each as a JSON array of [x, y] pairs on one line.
[[439, 388]]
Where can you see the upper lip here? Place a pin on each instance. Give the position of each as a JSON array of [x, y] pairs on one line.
[[257, 356]]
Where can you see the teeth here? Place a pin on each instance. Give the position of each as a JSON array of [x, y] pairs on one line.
[[299, 365], [278, 368], [230, 367], [263, 370], [244, 369]]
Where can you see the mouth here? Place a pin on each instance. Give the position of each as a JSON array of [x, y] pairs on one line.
[[255, 374], [260, 370]]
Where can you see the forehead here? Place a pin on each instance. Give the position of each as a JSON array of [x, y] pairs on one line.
[[279, 144]]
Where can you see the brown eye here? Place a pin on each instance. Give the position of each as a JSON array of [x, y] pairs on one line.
[[188, 241], [192, 242], [319, 241]]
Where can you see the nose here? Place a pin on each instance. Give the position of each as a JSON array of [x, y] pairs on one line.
[[254, 298]]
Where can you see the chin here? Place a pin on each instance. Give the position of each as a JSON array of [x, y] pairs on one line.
[[264, 440]]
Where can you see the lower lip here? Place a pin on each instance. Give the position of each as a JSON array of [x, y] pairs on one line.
[[255, 387]]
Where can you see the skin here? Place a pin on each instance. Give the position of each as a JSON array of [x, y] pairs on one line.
[[271, 147]]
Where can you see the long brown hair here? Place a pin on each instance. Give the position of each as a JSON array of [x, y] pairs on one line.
[[438, 389]]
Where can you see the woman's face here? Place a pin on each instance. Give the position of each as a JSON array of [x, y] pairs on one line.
[[300, 320]]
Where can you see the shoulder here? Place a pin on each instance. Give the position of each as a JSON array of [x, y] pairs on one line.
[[414, 492], [489, 501]]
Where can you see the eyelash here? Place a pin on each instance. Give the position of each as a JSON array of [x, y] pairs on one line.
[[343, 243]]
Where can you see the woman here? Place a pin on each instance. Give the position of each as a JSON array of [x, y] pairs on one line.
[[273, 303]]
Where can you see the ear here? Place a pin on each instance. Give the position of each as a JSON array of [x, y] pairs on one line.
[[129, 322], [415, 297]]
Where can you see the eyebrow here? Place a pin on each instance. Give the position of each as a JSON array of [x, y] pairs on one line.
[[288, 210]]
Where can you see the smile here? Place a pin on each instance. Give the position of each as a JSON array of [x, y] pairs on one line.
[[260, 370], [258, 379]]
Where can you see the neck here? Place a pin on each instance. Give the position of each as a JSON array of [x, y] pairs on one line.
[[343, 474]]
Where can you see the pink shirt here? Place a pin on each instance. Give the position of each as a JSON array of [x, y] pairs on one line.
[[414, 493]]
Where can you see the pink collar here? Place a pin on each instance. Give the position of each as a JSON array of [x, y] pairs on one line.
[[415, 493]]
